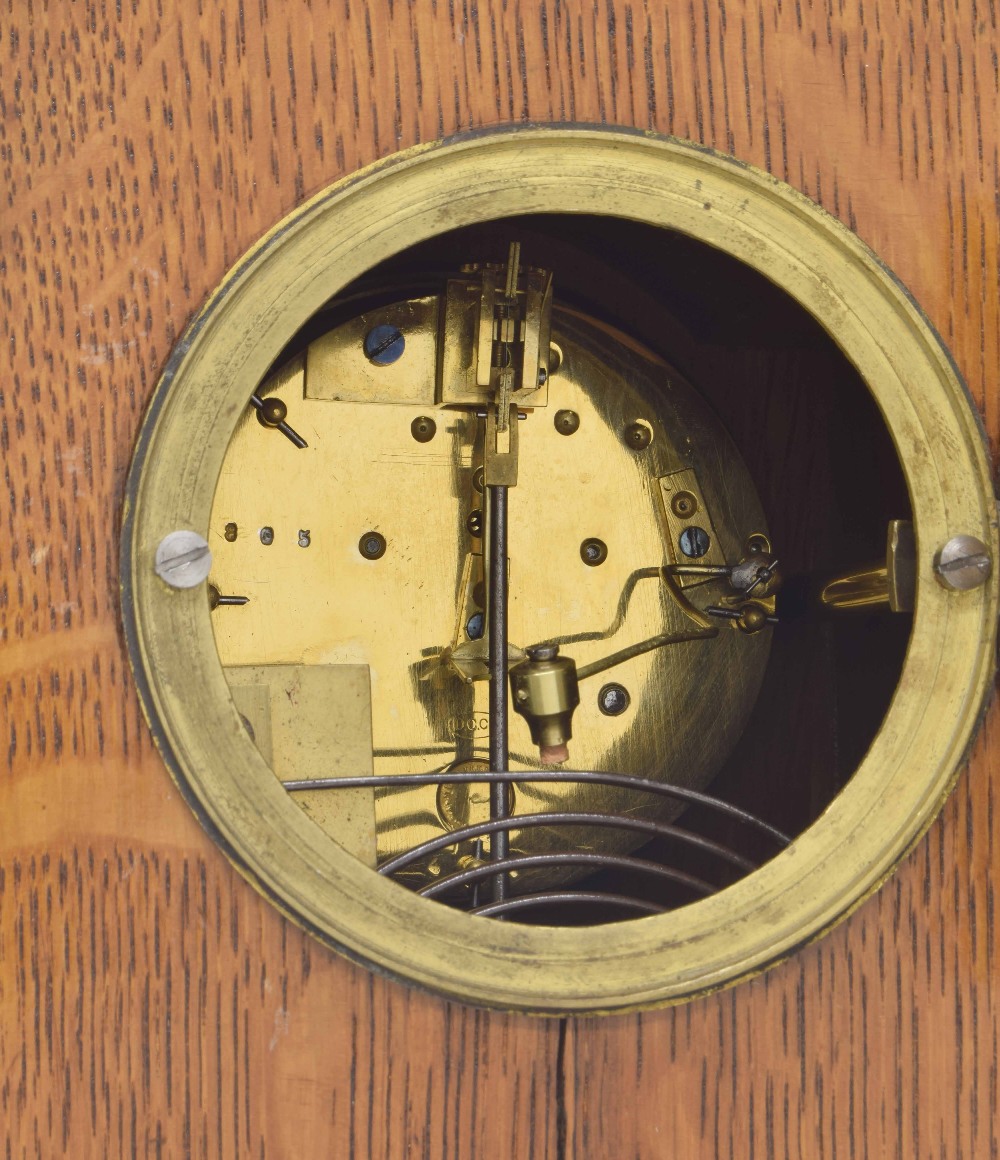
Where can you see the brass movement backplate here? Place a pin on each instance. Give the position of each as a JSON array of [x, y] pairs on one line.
[[313, 599], [338, 502]]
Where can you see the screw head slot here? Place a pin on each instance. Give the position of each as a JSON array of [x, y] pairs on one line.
[[384, 344], [694, 542], [963, 563], [183, 559]]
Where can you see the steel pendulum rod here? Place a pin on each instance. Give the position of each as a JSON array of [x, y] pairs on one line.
[[497, 618], [509, 330]]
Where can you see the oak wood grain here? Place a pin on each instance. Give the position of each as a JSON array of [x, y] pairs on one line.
[[150, 1003]]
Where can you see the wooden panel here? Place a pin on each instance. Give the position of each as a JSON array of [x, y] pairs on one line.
[[150, 1002]]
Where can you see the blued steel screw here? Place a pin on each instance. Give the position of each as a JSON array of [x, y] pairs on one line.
[[694, 542], [384, 344]]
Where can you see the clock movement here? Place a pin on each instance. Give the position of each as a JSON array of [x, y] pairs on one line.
[[477, 628]]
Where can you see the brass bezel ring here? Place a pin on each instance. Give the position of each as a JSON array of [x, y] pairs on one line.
[[346, 230]]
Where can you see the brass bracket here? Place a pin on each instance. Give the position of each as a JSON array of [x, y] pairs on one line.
[[892, 582], [467, 371], [500, 450], [685, 511]]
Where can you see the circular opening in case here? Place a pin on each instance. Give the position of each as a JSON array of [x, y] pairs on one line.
[[726, 379]]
